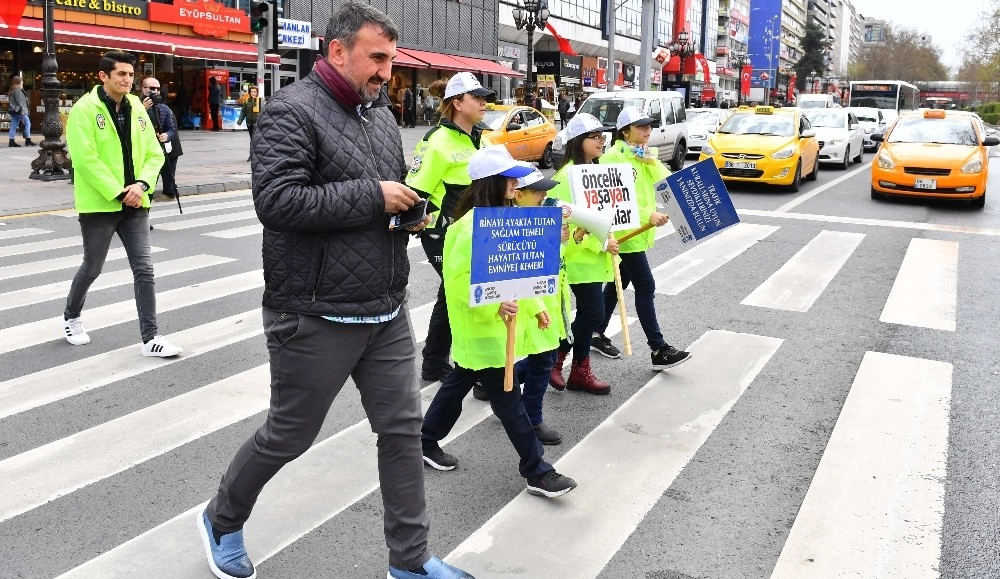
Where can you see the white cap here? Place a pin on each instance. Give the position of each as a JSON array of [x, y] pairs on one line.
[[633, 116], [535, 181], [464, 82], [581, 124], [495, 160]]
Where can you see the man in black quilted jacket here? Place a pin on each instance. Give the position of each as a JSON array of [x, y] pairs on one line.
[[327, 159]]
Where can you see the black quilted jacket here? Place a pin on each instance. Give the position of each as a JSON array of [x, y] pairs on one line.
[[317, 166]]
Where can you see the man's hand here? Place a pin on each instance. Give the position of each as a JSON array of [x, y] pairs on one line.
[[147, 102], [398, 197], [419, 226], [657, 219], [163, 137], [612, 245], [133, 195]]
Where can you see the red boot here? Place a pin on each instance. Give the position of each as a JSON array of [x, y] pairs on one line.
[[583, 379], [556, 379]]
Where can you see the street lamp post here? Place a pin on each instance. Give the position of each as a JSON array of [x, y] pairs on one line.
[[52, 163], [811, 79], [740, 62], [533, 15], [844, 85], [683, 49]]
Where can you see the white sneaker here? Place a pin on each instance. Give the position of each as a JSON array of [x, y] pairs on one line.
[[74, 332], [160, 348]]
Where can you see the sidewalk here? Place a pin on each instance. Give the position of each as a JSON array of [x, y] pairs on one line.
[[212, 162]]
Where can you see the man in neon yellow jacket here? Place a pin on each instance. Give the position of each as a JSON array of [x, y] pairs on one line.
[[116, 156]]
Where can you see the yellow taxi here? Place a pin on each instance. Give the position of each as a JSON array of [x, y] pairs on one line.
[[934, 154], [765, 145], [526, 133]]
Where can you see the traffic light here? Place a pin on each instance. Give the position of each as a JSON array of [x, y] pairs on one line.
[[259, 12], [275, 25]]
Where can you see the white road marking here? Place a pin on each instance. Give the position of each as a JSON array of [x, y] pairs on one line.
[[925, 293], [202, 221], [200, 208], [27, 231], [237, 232], [36, 246], [875, 222], [57, 263], [825, 186]]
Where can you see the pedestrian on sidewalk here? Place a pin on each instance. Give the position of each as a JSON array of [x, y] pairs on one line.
[[439, 173], [588, 268], [480, 334], [165, 124], [116, 156], [18, 108], [250, 112], [409, 109], [327, 155], [214, 102], [563, 111], [631, 147]]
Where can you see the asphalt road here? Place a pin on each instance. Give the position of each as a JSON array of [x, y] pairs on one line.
[[790, 446]]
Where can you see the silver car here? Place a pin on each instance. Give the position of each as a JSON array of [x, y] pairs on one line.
[[872, 121], [701, 123]]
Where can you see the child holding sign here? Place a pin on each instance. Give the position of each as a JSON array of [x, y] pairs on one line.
[[588, 266], [631, 147], [479, 334], [540, 344]]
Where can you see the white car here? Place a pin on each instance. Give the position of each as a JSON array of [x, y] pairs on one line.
[[701, 123], [872, 121], [839, 134]]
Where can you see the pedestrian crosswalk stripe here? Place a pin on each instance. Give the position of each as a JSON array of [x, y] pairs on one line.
[[202, 221], [57, 263], [24, 232], [925, 292], [55, 383], [60, 289], [638, 451], [237, 232], [797, 285], [195, 200], [40, 475], [875, 505], [293, 504], [36, 246], [201, 208], [944, 227], [34, 333], [683, 271]]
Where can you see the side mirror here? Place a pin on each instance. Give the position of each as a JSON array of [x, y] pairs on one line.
[[513, 127], [808, 133], [878, 137], [991, 142]]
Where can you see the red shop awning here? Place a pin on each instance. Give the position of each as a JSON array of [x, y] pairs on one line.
[[433, 59], [93, 36], [403, 59], [487, 66]]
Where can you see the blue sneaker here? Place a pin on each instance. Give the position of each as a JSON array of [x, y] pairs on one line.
[[228, 558], [433, 569]]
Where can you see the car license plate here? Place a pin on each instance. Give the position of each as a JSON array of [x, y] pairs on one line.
[[926, 184], [740, 165]]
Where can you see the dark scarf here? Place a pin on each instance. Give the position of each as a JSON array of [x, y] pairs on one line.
[[124, 130], [342, 91]]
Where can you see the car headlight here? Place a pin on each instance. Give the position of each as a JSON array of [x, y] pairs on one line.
[[835, 141], [706, 149], [785, 153], [885, 161], [699, 137], [973, 166]]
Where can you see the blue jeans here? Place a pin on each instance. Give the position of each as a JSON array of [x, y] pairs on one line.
[[635, 269], [534, 372], [15, 120], [508, 407], [132, 227], [589, 318]]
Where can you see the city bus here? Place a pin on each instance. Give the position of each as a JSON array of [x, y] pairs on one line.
[[885, 94]]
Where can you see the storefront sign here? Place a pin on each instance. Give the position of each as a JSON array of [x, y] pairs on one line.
[[206, 17], [123, 8], [571, 69], [547, 62], [508, 51], [294, 33], [629, 76]]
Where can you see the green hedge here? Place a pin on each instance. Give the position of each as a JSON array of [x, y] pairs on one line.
[[990, 118], [989, 108]]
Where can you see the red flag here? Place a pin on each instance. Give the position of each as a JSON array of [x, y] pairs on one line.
[[564, 45], [11, 13], [745, 80]]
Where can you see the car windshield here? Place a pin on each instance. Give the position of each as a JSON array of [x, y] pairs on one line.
[[607, 110], [831, 118], [866, 116], [812, 104], [707, 118], [943, 131], [753, 124], [494, 119]]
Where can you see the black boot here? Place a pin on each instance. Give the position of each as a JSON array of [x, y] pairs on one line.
[[13, 143], [28, 143]]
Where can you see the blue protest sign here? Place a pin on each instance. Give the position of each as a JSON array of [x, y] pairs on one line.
[[697, 201], [515, 253]]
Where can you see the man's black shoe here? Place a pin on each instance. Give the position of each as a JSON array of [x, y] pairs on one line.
[[546, 435], [603, 345], [550, 484], [668, 357], [440, 460], [479, 392]]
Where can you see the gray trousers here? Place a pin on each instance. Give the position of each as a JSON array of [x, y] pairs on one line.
[[132, 227], [311, 358]]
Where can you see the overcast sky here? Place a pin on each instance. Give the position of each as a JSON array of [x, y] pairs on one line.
[[948, 23]]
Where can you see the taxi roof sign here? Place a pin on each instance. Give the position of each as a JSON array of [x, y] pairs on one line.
[[934, 114], [764, 110]]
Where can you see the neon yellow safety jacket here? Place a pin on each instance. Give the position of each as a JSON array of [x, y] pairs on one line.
[[98, 165], [648, 173], [586, 262], [440, 169]]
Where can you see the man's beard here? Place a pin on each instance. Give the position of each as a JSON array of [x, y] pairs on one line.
[[367, 94]]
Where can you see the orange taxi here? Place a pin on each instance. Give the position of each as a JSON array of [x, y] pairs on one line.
[[526, 133], [933, 154]]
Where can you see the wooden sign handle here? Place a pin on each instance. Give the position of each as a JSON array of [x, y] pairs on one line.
[[508, 370], [621, 306], [639, 231]]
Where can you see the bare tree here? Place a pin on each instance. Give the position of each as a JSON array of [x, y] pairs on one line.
[[906, 54]]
